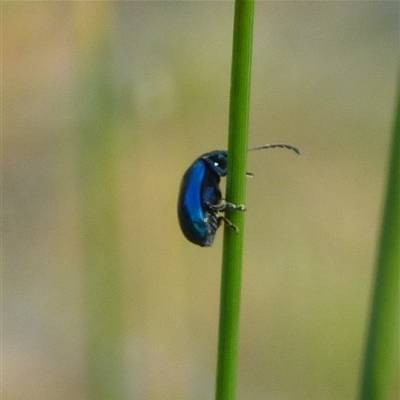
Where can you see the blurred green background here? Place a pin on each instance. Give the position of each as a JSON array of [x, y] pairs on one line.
[[324, 79]]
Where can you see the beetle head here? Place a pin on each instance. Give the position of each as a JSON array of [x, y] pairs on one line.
[[217, 161]]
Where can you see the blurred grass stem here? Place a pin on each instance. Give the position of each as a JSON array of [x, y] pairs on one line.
[[236, 190], [381, 360], [98, 177]]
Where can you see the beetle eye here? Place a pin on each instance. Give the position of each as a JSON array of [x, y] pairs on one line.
[[216, 164]]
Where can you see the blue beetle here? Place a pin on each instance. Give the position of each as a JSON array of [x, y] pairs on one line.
[[200, 199]]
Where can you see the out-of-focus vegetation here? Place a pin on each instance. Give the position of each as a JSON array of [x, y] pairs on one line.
[[97, 146], [381, 364], [324, 78]]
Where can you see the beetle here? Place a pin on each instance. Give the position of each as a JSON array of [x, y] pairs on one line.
[[200, 199]]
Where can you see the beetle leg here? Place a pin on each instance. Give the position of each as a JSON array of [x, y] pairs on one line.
[[225, 205], [234, 207], [229, 223], [217, 207]]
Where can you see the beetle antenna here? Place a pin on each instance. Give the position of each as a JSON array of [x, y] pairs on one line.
[[280, 145]]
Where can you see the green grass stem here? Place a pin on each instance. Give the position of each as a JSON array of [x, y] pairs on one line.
[[236, 190], [381, 360]]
